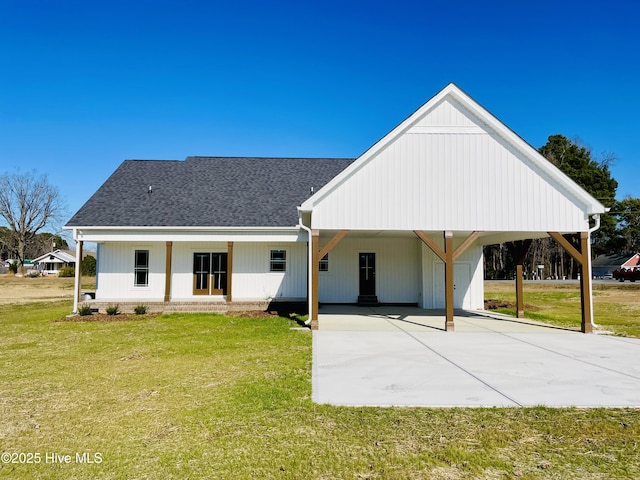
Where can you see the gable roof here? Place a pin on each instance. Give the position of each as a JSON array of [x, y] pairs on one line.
[[633, 261], [206, 192], [58, 254], [479, 121]]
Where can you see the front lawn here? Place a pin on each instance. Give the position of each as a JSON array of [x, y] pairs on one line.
[[207, 396]]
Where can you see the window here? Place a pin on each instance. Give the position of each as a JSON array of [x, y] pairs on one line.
[[141, 269], [323, 266], [278, 261]]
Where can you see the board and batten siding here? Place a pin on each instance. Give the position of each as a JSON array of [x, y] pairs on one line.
[[115, 275], [397, 270], [448, 171], [252, 279]]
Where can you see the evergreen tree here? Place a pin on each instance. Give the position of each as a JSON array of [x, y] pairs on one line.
[[594, 176]]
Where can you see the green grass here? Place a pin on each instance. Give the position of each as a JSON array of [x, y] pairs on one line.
[[616, 306], [206, 396]]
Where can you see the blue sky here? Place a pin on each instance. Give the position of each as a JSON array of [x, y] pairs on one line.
[[87, 84]]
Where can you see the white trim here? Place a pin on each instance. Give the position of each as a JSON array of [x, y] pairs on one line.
[[98, 234]]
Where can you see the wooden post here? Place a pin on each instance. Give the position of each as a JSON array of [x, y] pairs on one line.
[[519, 292], [167, 272], [315, 274], [448, 281], [229, 271], [582, 257], [585, 283], [518, 250]]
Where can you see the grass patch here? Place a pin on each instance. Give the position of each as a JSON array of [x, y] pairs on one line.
[[209, 396], [616, 306]]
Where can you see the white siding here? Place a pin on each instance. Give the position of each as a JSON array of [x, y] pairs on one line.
[[449, 171], [116, 265], [253, 280], [397, 270]]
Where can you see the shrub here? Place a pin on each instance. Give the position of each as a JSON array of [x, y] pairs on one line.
[[84, 309], [89, 266], [113, 309], [67, 272], [140, 309], [13, 267]]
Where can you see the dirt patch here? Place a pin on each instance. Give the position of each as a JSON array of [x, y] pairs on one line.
[[501, 304], [39, 289]]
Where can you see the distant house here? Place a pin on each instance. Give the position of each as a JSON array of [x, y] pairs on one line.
[[633, 262], [605, 265], [51, 263], [404, 223]]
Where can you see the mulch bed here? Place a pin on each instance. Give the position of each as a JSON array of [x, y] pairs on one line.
[[103, 317], [127, 317]]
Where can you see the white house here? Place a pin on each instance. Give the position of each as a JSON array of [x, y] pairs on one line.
[[51, 263], [403, 223]]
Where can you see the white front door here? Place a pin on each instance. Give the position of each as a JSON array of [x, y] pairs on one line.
[[461, 285]]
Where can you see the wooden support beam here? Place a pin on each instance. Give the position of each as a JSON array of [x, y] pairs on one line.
[[582, 257], [519, 292], [315, 269], [431, 244], [167, 272], [464, 245], [229, 272], [332, 243], [518, 250], [448, 281], [571, 250], [585, 283]]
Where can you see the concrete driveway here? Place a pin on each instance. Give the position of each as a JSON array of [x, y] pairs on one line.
[[400, 356]]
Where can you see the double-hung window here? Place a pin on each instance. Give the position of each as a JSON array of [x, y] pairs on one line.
[[278, 261], [141, 268], [323, 266]]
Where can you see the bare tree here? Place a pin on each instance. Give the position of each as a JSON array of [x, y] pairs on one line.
[[28, 203]]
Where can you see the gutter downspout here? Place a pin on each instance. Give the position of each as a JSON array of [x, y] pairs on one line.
[[596, 217], [309, 262]]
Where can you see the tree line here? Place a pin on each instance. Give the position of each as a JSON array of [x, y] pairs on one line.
[[619, 230]]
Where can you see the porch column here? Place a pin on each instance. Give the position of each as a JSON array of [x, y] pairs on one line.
[[583, 258], [315, 269], [229, 271], [586, 294], [167, 272], [518, 250], [78, 275], [519, 292], [448, 280]]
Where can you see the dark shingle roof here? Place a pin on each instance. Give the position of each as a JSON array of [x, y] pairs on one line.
[[207, 191]]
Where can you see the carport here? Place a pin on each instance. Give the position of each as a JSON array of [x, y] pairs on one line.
[[401, 356], [448, 180]]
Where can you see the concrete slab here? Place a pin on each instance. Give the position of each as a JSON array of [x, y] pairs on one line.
[[393, 357]]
